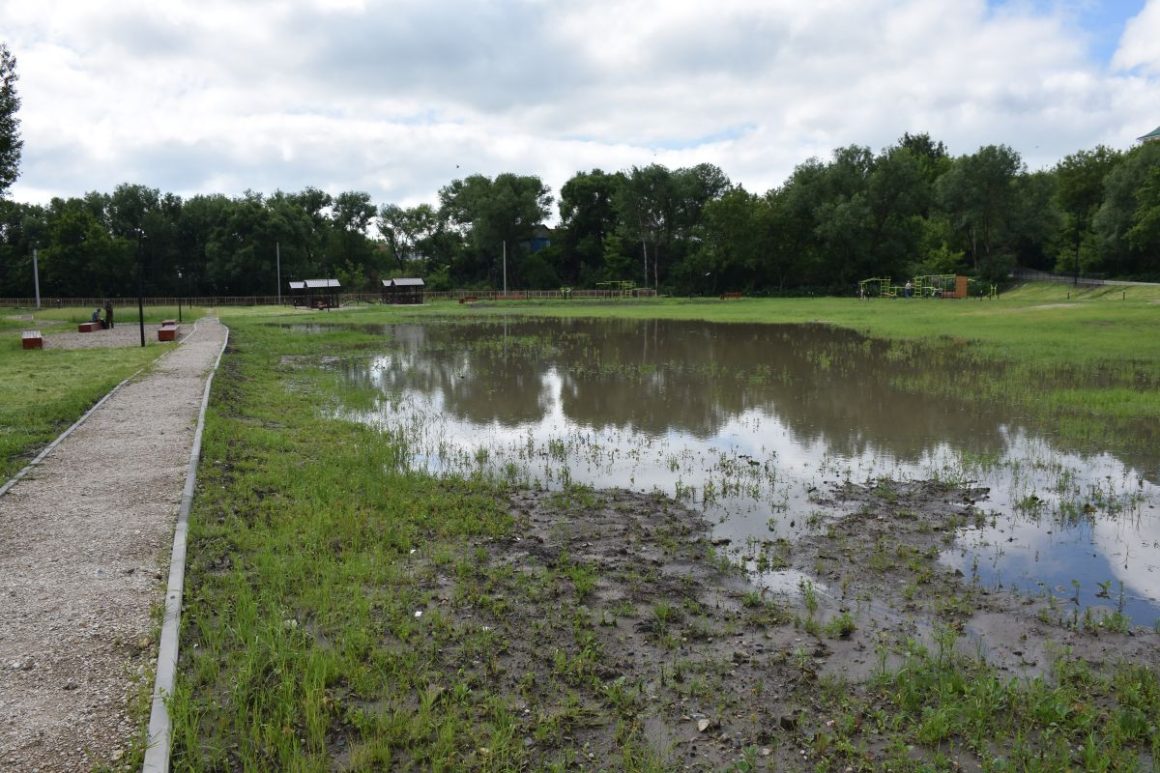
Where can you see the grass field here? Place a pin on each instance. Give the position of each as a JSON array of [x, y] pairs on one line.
[[42, 392], [347, 614], [344, 613]]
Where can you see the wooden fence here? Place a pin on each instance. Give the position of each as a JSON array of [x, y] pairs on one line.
[[346, 298]]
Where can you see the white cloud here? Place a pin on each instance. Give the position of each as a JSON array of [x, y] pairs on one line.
[[399, 99], [1140, 44]]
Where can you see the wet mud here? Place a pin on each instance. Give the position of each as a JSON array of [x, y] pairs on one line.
[[648, 642]]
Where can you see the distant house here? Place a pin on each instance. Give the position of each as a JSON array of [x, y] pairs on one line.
[[403, 290], [1152, 136], [316, 293], [541, 238]]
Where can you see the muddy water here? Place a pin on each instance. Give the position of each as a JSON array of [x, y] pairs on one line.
[[754, 425]]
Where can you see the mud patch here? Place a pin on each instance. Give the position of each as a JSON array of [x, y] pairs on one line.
[[624, 637]]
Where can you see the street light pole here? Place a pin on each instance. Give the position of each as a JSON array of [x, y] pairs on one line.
[[36, 277], [141, 285]]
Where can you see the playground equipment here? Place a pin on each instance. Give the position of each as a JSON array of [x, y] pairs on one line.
[[622, 287], [922, 286], [877, 287]]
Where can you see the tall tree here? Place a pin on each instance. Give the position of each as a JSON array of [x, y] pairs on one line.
[[409, 233], [979, 192], [352, 214], [494, 216], [587, 218], [10, 142], [21, 231], [1080, 191], [1124, 220]]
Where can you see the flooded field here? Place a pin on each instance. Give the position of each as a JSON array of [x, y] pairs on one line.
[[757, 427]]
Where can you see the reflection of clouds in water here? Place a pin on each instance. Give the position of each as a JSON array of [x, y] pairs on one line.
[[780, 448], [1133, 552]]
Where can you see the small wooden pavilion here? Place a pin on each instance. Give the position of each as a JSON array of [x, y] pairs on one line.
[[316, 293], [403, 290]]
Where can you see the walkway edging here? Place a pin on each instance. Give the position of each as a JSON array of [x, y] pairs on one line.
[[76, 424], [60, 438], [160, 735]]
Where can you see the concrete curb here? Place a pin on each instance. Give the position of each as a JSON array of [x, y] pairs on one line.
[[160, 738]]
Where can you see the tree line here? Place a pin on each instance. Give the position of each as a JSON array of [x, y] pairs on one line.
[[909, 209]]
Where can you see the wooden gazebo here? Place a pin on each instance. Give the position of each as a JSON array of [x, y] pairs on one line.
[[316, 293], [403, 290]]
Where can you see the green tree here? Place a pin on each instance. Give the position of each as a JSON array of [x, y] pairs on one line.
[[492, 216], [21, 231], [409, 234], [10, 142], [734, 242], [81, 258], [587, 217], [351, 215], [1123, 222], [661, 210], [1079, 193], [979, 194], [201, 224]]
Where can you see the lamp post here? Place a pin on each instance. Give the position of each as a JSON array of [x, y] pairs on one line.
[[36, 277], [140, 233], [179, 295]]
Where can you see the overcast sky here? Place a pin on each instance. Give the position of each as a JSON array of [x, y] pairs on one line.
[[399, 98]]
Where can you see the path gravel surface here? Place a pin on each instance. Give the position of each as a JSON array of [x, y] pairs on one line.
[[84, 553]]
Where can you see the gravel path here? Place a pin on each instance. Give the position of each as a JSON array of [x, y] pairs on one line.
[[84, 552]]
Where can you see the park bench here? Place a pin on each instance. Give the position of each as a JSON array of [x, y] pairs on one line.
[[167, 331], [88, 327], [731, 296], [468, 299], [31, 339]]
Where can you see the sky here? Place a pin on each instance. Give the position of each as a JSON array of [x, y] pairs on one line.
[[399, 98]]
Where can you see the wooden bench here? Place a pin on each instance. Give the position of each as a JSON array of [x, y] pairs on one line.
[[88, 327], [468, 299], [167, 331], [731, 296], [31, 339]]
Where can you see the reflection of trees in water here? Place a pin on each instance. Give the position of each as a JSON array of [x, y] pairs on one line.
[[824, 384], [479, 378]]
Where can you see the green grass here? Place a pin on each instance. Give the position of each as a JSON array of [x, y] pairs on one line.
[[42, 392], [340, 614], [324, 626]]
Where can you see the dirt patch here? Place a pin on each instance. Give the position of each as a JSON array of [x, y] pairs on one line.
[[120, 336], [635, 630], [880, 562]]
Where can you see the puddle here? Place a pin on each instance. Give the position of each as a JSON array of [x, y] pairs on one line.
[[755, 425]]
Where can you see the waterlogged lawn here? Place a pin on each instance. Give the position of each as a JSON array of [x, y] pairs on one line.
[[348, 612]]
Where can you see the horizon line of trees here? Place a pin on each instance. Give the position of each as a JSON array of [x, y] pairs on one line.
[[909, 209]]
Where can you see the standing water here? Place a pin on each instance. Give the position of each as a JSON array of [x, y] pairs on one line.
[[754, 425]]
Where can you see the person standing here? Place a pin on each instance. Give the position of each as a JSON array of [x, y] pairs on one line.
[[109, 314]]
